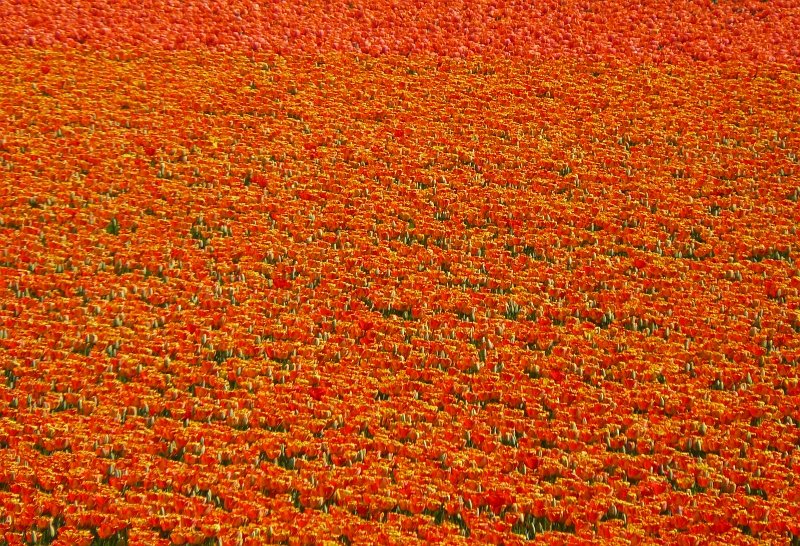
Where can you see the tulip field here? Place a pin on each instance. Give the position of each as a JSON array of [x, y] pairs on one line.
[[399, 272]]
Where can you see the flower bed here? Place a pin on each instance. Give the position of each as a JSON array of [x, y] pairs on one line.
[[273, 297]]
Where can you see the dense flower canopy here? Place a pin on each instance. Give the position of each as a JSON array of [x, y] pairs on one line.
[[399, 272], [651, 31]]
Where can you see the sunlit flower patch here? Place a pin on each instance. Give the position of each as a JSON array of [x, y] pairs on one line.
[[297, 293]]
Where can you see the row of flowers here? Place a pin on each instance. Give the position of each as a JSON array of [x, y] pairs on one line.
[[395, 300], [685, 31]]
